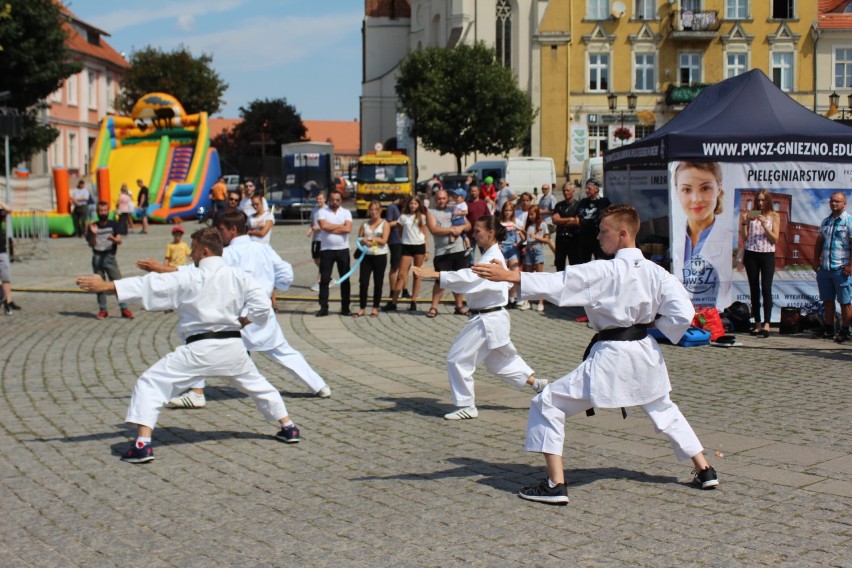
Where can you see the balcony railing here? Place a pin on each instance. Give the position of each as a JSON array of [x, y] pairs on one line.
[[682, 95], [695, 24]]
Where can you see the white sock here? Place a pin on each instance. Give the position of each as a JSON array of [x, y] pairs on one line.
[[142, 440], [286, 424], [550, 484], [196, 394]]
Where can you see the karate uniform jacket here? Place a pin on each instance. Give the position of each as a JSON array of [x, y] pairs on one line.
[[619, 293], [210, 298], [483, 294]]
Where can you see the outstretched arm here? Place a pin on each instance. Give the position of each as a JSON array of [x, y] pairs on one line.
[[95, 283], [495, 272], [151, 265]]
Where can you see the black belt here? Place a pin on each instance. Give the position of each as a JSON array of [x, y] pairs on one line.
[[471, 313], [635, 332], [213, 335]]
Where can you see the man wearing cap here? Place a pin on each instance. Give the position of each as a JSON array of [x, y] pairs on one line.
[[590, 210], [449, 254]]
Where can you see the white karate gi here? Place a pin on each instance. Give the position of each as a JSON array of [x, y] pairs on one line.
[[208, 299], [615, 293], [485, 337], [271, 272]]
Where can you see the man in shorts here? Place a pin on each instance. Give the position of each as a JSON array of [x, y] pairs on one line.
[[449, 256], [833, 265]]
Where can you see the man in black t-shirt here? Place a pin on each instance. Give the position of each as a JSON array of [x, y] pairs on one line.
[[142, 204], [567, 222], [590, 210], [104, 236]]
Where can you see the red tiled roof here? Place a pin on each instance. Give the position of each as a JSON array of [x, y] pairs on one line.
[[825, 6], [835, 22], [344, 134], [75, 42]]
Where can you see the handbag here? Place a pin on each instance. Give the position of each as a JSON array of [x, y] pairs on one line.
[[708, 318]]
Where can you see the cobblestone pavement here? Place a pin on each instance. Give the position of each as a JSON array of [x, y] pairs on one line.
[[380, 478]]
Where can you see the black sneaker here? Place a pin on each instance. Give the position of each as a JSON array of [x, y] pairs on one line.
[[706, 478], [543, 493], [289, 434], [842, 335], [828, 332], [389, 307], [7, 309], [135, 454], [405, 293], [322, 313], [14, 306]]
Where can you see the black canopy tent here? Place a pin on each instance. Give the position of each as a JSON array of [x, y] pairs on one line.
[[742, 119]]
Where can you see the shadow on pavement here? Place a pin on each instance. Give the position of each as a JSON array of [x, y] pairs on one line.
[[510, 477], [429, 406]]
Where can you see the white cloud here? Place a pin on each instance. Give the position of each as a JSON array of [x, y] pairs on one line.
[[152, 11], [186, 22]]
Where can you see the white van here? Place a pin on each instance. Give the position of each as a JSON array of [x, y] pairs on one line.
[[526, 174]]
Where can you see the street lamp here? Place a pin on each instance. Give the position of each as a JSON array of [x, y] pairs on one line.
[[612, 101], [834, 101]]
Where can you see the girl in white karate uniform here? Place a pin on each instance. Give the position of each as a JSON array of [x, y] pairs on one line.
[[485, 337]]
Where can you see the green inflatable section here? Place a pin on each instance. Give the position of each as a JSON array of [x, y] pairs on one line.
[[61, 225]]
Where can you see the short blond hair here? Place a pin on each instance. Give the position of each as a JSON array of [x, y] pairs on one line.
[[624, 216]]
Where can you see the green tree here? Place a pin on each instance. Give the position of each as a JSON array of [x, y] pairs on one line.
[[462, 100], [191, 80], [33, 64], [272, 120]]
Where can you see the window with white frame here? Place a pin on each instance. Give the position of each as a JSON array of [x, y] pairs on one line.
[[93, 90], [56, 96], [736, 9], [691, 5], [110, 96], [72, 150], [842, 67], [689, 68], [57, 151], [597, 9], [782, 70], [71, 89], [598, 139], [598, 72], [783, 9], [645, 10], [735, 64], [643, 130], [503, 41], [645, 72]]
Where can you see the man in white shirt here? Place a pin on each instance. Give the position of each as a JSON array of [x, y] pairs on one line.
[[263, 264], [335, 223], [209, 302], [625, 366]]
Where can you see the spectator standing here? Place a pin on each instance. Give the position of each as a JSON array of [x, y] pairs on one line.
[[374, 234], [538, 235], [5, 264], [245, 204], [547, 204], [411, 226], [261, 221], [335, 224], [504, 194], [476, 208], [590, 210], [142, 205], [80, 199], [395, 243], [231, 204], [124, 209], [104, 236], [177, 251], [510, 239], [833, 265], [489, 192], [218, 195], [567, 222], [449, 249], [459, 218], [759, 230], [314, 234]]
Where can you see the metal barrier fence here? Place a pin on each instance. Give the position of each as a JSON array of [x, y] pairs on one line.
[[29, 235]]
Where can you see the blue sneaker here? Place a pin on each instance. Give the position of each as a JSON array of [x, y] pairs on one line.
[[289, 434], [138, 455]]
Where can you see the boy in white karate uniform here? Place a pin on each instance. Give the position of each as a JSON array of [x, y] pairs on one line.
[[625, 366], [208, 302]]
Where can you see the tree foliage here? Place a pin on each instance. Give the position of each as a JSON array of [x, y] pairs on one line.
[[462, 100], [33, 64], [191, 80], [271, 120]]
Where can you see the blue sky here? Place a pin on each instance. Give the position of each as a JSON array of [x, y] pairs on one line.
[[307, 51]]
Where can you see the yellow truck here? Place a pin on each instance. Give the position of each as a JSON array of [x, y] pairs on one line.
[[383, 175]]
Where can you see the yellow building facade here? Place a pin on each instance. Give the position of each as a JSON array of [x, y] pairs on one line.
[[613, 71]]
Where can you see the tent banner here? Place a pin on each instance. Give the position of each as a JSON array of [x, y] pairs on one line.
[[711, 200]]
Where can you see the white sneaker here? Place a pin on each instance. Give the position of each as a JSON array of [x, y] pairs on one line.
[[539, 384], [187, 400], [324, 392], [539, 307], [523, 305], [315, 287], [465, 413]]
